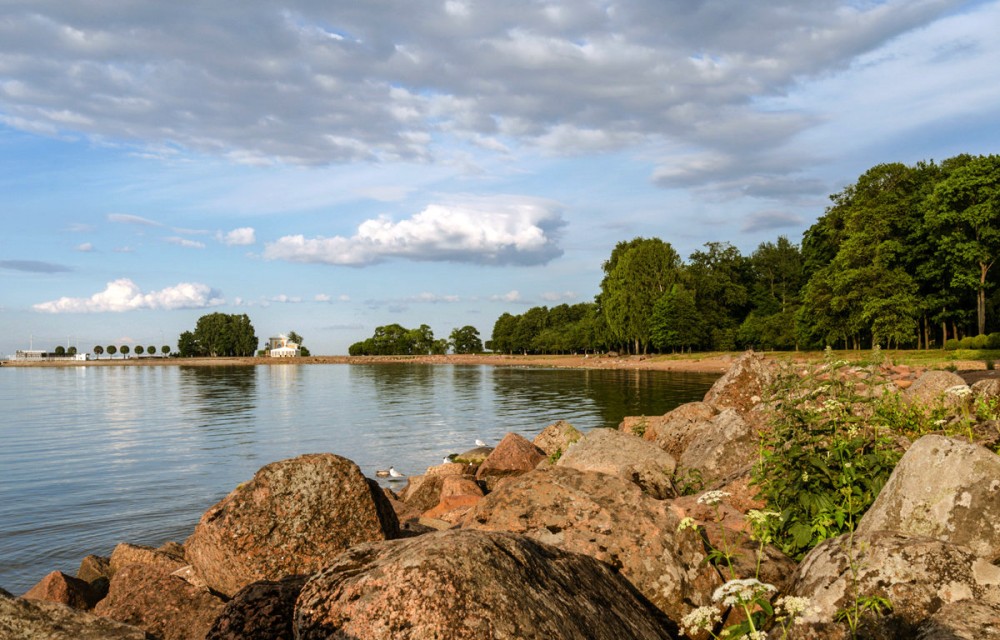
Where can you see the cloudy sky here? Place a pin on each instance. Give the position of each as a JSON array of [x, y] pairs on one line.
[[327, 167]]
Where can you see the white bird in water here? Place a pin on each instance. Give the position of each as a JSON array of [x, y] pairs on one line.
[[480, 443], [395, 474]]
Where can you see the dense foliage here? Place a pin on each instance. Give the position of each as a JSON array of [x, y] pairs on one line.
[[218, 334], [902, 257], [394, 339]]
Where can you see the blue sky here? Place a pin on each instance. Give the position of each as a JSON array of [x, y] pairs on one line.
[[330, 167]]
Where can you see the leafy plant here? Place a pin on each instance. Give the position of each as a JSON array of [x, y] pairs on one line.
[[828, 455], [688, 482]]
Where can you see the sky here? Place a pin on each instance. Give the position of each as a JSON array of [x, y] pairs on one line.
[[328, 167]]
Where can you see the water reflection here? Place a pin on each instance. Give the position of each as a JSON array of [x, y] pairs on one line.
[[219, 390]]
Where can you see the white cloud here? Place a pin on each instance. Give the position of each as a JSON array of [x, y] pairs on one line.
[[498, 230], [126, 218], [432, 298], [85, 247], [286, 299], [322, 297], [510, 296], [125, 295], [184, 242], [240, 237]]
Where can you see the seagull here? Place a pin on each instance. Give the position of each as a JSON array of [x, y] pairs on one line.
[[480, 443], [449, 458], [395, 474]]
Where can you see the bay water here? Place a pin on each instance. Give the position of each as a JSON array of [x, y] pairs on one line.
[[94, 456]]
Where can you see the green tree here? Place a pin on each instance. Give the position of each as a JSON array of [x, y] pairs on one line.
[[502, 340], [139, 349], [637, 274], [466, 340], [676, 322], [165, 349], [187, 346], [964, 211], [124, 350], [112, 350], [151, 350], [71, 351], [297, 339], [718, 277], [60, 350], [225, 335], [98, 350]]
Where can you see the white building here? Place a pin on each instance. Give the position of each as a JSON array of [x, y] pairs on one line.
[[282, 347]]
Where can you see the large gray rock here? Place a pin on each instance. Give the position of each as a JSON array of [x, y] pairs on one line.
[[674, 430], [292, 518], [933, 386], [917, 575], [722, 447], [744, 385], [26, 620], [609, 519], [628, 457], [962, 620], [470, 585], [942, 488]]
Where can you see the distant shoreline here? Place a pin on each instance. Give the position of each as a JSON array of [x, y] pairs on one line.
[[716, 363]]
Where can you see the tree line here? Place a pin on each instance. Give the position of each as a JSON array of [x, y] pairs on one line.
[[394, 339], [901, 258], [112, 349]]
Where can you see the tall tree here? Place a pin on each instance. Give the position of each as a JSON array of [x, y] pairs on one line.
[[466, 340], [220, 334], [676, 322], [98, 350], [964, 210], [637, 274], [718, 277]]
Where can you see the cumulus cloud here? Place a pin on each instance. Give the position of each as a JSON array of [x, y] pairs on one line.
[[85, 247], [499, 230], [240, 237], [33, 266], [320, 84], [125, 295], [286, 299]]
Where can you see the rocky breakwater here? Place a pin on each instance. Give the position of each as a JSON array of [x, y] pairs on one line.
[[661, 529]]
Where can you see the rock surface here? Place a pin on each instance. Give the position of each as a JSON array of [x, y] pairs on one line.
[[917, 575], [931, 387], [627, 457], [165, 606], [722, 447], [512, 457], [962, 620], [744, 385], [471, 585], [942, 488], [260, 611], [27, 620], [292, 518], [556, 438], [64, 589], [125, 554], [611, 520], [674, 430]]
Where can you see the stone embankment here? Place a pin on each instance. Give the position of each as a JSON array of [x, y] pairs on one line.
[[570, 535]]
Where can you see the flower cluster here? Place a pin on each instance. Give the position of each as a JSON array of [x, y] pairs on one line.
[[701, 618], [742, 592], [712, 498]]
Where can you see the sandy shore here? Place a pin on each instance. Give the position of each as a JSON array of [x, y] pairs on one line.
[[703, 364]]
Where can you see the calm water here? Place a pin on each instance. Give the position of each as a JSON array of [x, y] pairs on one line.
[[93, 456]]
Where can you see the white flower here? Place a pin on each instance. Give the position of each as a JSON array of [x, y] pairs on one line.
[[756, 517], [712, 497], [700, 618], [738, 592], [792, 605], [959, 391]]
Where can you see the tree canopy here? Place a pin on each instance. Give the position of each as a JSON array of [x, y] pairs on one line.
[[219, 335]]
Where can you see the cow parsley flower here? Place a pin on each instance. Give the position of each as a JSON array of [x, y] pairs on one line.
[[700, 618], [712, 498], [742, 592], [687, 523]]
